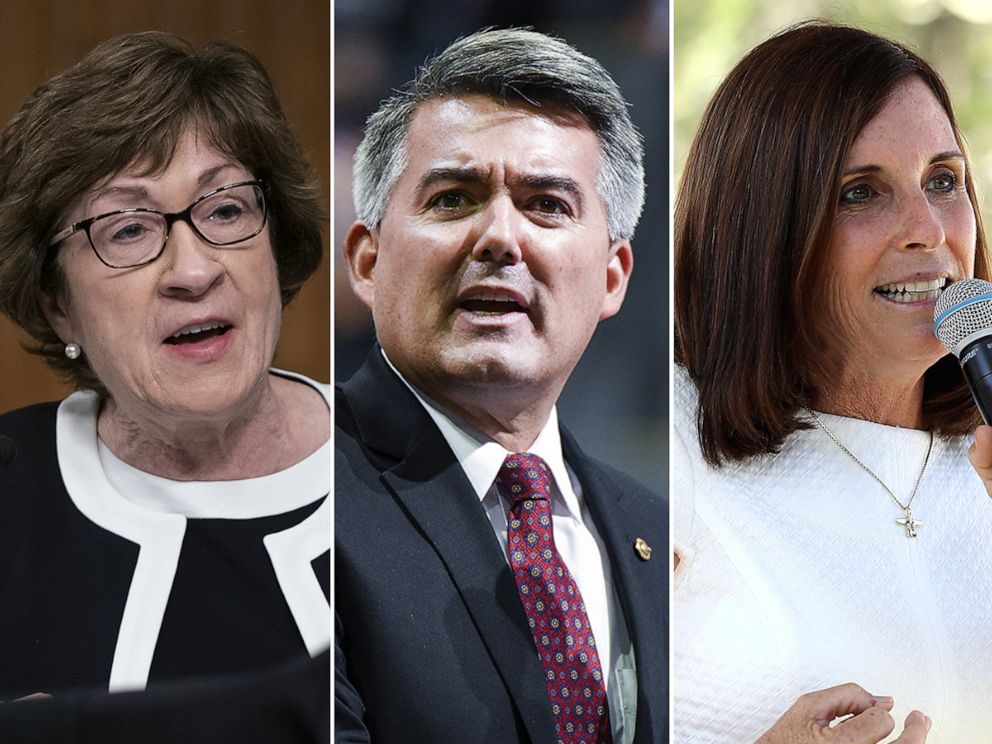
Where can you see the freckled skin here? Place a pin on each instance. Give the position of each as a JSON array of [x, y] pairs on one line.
[[528, 221], [904, 215]]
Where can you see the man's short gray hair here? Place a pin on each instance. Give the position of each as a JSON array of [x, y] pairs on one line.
[[516, 65]]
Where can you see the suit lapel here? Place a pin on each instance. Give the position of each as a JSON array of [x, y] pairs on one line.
[[434, 490], [639, 584]]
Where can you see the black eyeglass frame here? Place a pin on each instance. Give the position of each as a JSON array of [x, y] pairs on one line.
[[170, 218]]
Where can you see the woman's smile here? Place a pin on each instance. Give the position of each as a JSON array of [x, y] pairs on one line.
[[912, 291], [905, 227]]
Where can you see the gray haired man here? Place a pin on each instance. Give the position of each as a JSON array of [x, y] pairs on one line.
[[493, 583]]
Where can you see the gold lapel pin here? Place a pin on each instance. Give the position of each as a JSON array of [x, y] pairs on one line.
[[643, 549]]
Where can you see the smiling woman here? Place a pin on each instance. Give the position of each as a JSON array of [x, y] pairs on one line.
[[904, 227], [829, 531], [156, 215]]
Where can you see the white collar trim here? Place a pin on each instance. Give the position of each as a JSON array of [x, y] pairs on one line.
[[249, 498], [159, 535]]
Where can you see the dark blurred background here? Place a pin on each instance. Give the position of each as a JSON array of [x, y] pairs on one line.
[[617, 400], [292, 38]]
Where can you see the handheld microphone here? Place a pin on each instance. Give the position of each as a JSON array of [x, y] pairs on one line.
[[8, 451], [962, 320]]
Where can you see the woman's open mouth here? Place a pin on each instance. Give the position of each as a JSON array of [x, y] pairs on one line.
[[909, 292], [199, 332]]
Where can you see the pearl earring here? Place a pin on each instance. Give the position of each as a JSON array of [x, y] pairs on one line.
[[73, 351]]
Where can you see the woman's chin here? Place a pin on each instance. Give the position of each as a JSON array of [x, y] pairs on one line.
[[216, 398]]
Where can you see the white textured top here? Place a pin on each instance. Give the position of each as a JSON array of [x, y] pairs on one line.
[[794, 576]]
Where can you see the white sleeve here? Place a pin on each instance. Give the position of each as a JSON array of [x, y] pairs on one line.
[[682, 501]]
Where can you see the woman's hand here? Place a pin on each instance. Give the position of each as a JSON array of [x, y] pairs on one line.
[[808, 720], [980, 456]]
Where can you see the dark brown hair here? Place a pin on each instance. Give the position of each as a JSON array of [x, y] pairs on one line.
[[753, 222], [128, 102]]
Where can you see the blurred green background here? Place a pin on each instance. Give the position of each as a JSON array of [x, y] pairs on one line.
[[953, 35]]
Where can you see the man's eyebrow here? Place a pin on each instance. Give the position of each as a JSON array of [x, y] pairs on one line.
[[476, 175], [451, 175], [555, 183]]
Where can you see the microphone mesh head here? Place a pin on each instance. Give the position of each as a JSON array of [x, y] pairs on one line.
[[963, 313]]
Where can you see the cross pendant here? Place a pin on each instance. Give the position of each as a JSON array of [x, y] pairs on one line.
[[909, 523]]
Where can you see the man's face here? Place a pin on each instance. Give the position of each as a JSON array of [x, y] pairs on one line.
[[493, 262]]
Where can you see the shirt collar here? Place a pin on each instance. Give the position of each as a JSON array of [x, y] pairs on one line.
[[482, 457]]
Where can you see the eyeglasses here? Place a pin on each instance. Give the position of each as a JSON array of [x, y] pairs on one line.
[[126, 238]]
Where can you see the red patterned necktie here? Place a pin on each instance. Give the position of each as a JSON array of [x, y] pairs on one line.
[[555, 610]]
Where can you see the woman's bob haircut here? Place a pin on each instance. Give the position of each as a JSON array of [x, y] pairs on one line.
[[753, 222], [127, 104]]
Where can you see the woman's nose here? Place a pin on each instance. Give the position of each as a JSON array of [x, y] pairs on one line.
[[921, 223], [190, 266]]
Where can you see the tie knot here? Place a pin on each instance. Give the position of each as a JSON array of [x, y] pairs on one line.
[[524, 476]]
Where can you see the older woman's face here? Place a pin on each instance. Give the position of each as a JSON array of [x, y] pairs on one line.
[[904, 227], [193, 332]]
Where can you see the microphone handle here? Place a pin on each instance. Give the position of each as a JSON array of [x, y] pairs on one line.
[[976, 363]]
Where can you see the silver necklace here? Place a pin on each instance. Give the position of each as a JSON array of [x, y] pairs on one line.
[[907, 522]]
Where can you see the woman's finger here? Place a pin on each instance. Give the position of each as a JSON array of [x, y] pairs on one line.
[[833, 702], [915, 730], [808, 719], [869, 726]]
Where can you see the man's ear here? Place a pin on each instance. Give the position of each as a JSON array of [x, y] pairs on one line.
[[56, 312], [361, 251], [618, 268]]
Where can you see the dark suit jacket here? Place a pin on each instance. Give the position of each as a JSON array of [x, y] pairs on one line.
[[432, 644]]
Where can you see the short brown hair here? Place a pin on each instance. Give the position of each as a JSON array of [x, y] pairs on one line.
[[129, 101], [753, 222]]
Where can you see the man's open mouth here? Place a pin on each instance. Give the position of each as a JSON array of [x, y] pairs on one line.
[[491, 307], [492, 302]]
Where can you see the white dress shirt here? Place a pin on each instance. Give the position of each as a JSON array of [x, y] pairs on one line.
[[575, 535]]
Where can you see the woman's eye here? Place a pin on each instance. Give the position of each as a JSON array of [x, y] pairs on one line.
[[944, 182], [857, 194], [129, 233], [227, 212]]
